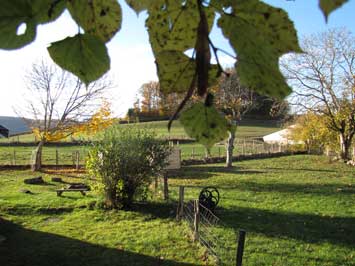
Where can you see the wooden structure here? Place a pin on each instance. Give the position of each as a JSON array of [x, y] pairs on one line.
[[4, 131], [174, 163], [81, 190]]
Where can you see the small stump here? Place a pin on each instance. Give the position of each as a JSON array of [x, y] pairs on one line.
[[34, 181]]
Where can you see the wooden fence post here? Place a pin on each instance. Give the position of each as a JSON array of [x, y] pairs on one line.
[[193, 153], [56, 158], [180, 208], [243, 147], [166, 188], [240, 247], [14, 159], [77, 159], [219, 152], [196, 236]]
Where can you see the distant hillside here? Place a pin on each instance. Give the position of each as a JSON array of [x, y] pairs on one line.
[[15, 125]]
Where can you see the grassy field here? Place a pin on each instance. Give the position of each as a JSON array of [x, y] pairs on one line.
[[66, 155], [297, 210], [21, 155], [246, 130]]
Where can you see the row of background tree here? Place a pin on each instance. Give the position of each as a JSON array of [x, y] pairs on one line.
[[230, 97]]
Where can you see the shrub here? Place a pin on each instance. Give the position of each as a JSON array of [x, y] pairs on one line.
[[125, 159]]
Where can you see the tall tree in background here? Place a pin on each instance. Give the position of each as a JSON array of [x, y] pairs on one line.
[[57, 102], [150, 97], [234, 100], [154, 102], [237, 101], [323, 80]]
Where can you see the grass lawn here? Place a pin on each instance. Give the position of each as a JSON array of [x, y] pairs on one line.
[[297, 210]]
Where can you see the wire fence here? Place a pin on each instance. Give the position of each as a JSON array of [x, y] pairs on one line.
[[73, 155], [219, 239], [241, 147], [50, 156]]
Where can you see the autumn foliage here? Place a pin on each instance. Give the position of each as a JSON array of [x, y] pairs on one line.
[[100, 120]]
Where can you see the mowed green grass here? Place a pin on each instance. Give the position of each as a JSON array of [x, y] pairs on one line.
[[248, 129], [43, 229], [297, 210]]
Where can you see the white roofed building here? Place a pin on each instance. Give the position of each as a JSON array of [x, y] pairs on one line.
[[281, 137]]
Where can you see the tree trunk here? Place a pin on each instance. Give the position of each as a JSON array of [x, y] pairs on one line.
[[111, 198], [37, 163], [229, 149], [207, 153], [344, 147]]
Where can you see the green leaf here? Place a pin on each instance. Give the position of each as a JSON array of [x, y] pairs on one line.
[[327, 6], [13, 13], [172, 30], [84, 55], [176, 71], [101, 18], [205, 124], [141, 5], [175, 26], [259, 34], [47, 10]]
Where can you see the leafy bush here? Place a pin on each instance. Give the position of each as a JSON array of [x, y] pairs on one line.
[[125, 159], [313, 130]]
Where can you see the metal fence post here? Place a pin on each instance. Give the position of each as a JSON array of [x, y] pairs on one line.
[[240, 247]]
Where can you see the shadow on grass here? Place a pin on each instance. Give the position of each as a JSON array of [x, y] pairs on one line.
[[205, 172], [45, 183], [286, 168], [27, 247], [24, 210], [322, 189], [156, 210], [309, 228]]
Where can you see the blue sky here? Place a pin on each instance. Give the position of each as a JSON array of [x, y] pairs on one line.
[[132, 62]]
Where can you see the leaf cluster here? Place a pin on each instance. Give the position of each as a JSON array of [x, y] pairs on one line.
[[258, 33]]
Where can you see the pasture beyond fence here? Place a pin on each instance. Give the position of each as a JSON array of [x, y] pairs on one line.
[[76, 155]]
